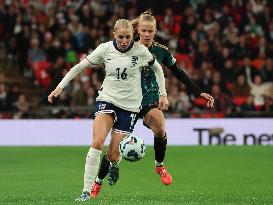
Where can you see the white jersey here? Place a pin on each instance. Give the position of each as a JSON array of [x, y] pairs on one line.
[[122, 83]]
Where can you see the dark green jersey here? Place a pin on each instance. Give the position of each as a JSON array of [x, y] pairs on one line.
[[150, 89]]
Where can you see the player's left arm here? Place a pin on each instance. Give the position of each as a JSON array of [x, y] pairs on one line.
[[170, 63], [183, 77]]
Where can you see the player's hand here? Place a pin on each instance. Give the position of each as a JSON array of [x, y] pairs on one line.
[[208, 98], [54, 93], [163, 103]]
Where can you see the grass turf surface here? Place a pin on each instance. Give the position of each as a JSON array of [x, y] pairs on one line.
[[201, 175]]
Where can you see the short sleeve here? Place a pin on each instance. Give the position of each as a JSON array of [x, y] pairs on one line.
[[96, 57]]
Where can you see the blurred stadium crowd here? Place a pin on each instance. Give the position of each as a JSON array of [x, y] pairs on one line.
[[225, 46]]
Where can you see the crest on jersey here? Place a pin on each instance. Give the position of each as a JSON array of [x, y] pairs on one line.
[[134, 60]]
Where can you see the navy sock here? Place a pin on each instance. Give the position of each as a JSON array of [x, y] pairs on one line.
[[104, 167]]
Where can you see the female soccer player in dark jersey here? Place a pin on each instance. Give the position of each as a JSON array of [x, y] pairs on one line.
[[153, 118]]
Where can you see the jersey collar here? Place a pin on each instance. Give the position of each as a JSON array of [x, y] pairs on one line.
[[123, 51], [151, 45]]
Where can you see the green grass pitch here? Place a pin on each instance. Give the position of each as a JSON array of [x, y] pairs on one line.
[[201, 175]]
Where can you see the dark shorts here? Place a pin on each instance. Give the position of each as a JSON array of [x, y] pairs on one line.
[[145, 109], [124, 121]]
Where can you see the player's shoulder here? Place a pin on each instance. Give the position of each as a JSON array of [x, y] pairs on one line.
[[140, 46], [107, 44], [140, 49], [161, 46]]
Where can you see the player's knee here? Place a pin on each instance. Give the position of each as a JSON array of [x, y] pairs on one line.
[[97, 143]]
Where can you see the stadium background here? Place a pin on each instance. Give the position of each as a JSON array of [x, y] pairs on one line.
[[215, 42], [225, 46]]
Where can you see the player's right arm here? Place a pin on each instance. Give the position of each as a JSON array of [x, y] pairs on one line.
[[94, 58]]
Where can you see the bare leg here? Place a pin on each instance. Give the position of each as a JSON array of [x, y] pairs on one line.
[[155, 120], [101, 127]]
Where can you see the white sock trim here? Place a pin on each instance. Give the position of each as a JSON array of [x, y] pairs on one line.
[[98, 180], [116, 163], [157, 164]]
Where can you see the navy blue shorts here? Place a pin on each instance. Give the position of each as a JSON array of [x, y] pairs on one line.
[[124, 121]]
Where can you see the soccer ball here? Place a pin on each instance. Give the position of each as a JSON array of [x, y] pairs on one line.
[[132, 148]]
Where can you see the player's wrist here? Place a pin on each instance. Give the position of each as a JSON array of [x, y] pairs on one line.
[[163, 95], [60, 86]]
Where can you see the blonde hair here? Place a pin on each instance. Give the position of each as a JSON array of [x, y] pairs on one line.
[[123, 23], [145, 16]]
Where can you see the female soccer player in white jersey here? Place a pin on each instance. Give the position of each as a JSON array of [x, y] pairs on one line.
[[145, 27], [119, 98]]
